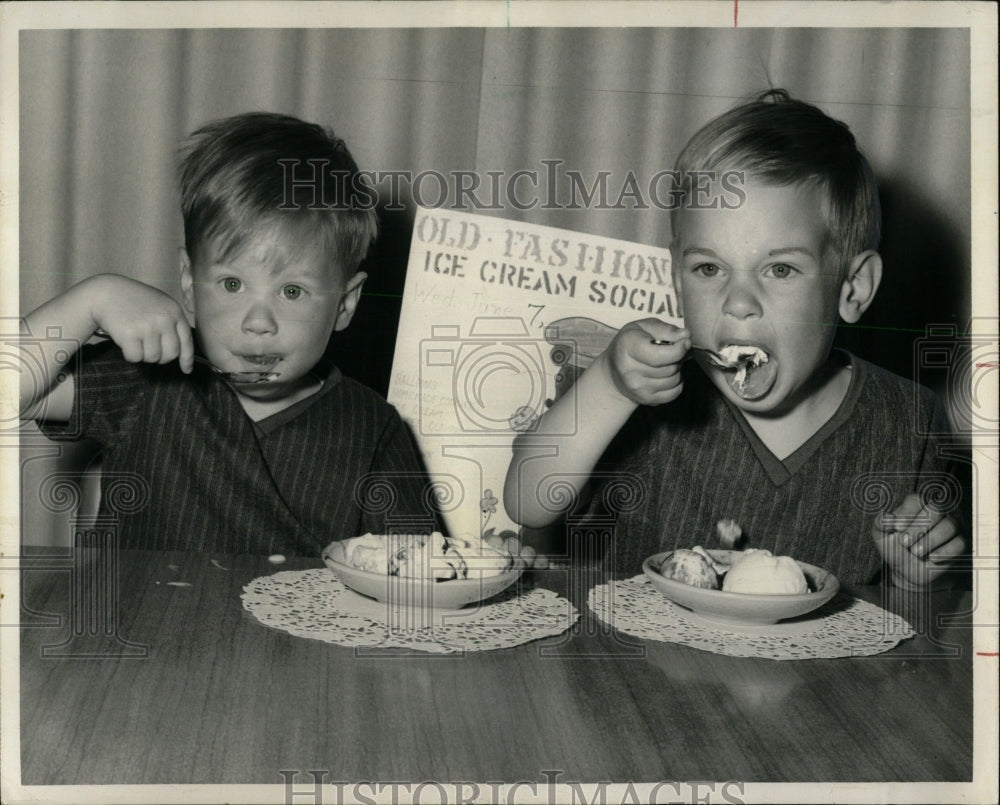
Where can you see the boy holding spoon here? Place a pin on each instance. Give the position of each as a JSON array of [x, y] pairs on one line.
[[246, 440], [814, 452]]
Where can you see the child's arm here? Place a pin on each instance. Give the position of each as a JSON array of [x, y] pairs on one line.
[[575, 431], [146, 323], [919, 544]]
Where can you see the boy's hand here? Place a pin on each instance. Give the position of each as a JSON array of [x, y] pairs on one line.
[[148, 325], [918, 543], [509, 542], [644, 372]]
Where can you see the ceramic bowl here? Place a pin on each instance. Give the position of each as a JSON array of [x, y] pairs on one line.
[[424, 593], [743, 608]]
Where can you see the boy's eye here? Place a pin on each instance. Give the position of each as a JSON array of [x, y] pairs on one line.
[[231, 284], [781, 271], [706, 269], [292, 292]]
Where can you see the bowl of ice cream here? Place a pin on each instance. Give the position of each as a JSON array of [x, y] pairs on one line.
[[740, 586], [426, 571]]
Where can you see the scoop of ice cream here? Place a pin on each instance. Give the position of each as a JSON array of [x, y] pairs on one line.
[[760, 573], [413, 558], [690, 567], [719, 567], [755, 372], [420, 556], [368, 552], [429, 557]]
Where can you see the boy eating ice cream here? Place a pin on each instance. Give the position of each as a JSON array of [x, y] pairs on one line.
[[777, 431], [246, 439]]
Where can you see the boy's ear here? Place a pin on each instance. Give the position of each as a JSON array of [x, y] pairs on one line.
[[858, 289], [349, 300], [187, 282]]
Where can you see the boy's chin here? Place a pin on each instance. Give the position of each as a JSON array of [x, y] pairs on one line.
[[755, 390], [769, 402], [269, 390]]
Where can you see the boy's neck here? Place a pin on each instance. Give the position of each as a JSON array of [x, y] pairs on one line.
[[262, 409], [785, 433]]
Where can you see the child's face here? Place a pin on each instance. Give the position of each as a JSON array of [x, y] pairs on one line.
[[762, 275], [271, 306]]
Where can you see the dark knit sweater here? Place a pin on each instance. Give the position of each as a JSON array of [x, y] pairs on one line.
[[334, 465], [697, 460]]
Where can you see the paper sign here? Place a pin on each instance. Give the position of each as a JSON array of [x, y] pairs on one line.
[[499, 317]]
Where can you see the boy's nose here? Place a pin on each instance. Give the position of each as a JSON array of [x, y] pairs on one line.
[[260, 319], [741, 300]]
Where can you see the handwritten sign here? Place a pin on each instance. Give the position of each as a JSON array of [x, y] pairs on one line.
[[499, 317]]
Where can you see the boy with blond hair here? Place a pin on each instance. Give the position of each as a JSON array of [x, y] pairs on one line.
[[245, 438], [790, 437]]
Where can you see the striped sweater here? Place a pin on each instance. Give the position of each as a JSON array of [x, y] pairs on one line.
[[184, 468], [688, 464]]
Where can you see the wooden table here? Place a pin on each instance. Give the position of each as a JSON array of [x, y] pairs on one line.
[[203, 693]]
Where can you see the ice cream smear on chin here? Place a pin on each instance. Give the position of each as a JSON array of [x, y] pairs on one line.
[[755, 372]]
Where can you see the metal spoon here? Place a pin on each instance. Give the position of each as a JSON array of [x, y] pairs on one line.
[[711, 354], [252, 376]]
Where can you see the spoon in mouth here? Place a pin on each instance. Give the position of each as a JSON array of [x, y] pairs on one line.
[[719, 360], [252, 376], [750, 371]]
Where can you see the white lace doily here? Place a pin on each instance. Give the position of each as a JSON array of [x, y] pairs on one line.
[[313, 603], [843, 628]]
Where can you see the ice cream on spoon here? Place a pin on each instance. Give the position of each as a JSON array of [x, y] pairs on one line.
[[755, 372], [754, 369]]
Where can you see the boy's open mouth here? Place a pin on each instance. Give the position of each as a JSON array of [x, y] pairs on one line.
[[754, 370]]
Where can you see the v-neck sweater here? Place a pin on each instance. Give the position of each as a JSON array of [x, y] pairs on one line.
[[184, 468], [690, 463]]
